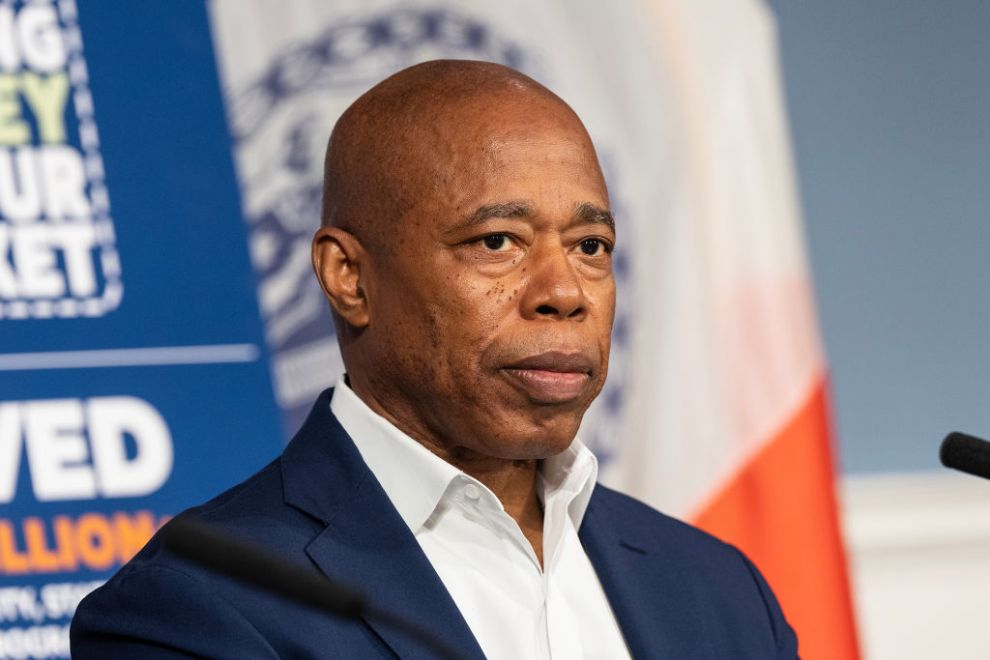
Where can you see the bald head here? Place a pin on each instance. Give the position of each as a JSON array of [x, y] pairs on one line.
[[402, 138]]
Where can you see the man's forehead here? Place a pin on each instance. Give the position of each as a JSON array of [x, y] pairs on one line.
[[440, 133]]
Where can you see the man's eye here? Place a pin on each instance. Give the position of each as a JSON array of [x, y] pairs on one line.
[[593, 246], [496, 242]]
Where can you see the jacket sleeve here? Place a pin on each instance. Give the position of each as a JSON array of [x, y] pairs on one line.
[[787, 643], [159, 612]]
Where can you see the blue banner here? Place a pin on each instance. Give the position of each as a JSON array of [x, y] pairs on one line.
[[133, 369]]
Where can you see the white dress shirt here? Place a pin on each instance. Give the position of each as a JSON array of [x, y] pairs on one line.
[[514, 608]]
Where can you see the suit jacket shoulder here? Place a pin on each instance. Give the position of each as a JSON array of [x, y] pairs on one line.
[[689, 593], [158, 605], [317, 506]]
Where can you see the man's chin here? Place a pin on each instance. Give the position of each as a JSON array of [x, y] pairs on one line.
[[535, 439]]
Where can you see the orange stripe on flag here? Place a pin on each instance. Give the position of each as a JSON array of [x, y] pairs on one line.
[[781, 511]]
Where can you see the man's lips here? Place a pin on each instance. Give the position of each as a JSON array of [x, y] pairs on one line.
[[551, 377]]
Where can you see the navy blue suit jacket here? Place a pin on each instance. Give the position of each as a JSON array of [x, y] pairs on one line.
[[675, 591]]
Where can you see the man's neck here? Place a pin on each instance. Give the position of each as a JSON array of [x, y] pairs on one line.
[[515, 484]]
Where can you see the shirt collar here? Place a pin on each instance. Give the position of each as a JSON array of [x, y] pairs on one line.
[[415, 479], [571, 475]]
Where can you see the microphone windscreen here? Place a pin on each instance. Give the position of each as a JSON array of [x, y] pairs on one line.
[[249, 564], [966, 453]]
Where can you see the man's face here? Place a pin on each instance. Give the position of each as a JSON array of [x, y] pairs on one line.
[[493, 308]]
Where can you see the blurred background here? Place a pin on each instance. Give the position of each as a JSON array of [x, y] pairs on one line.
[[887, 105], [803, 289]]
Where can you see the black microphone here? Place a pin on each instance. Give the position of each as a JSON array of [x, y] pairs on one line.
[[966, 453], [203, 545]]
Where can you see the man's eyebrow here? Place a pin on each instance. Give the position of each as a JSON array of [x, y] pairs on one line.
[[590, 214], [585, 213], [512, 209]]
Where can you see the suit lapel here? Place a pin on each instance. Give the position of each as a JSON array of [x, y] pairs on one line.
[[645, 600], [365, 542]]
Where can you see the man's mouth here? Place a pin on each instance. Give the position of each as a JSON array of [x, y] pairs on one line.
[[551, 377]]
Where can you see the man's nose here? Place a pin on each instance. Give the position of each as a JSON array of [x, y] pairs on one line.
[[555, 289]]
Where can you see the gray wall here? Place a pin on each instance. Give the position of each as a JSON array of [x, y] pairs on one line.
[[890, 113]]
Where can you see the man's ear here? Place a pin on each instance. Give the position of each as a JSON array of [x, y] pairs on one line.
[[338, 259]]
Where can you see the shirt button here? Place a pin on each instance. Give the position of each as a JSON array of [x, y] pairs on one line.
[[472, 492]]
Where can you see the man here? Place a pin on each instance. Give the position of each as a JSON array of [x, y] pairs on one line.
[[466, 255]]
